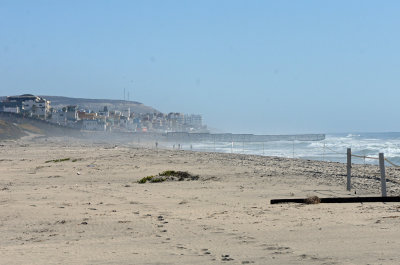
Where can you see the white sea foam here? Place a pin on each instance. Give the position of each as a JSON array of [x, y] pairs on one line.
[[333, 148]]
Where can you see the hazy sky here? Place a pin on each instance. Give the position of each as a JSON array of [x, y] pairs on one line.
[[247, 66]]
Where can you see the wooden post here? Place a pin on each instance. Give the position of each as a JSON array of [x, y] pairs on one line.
[[348, 169], [383, 176]]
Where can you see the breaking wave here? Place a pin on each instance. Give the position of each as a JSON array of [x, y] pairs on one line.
[[333, 148]]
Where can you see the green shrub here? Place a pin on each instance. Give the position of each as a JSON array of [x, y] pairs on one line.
[[157, 179], [169, 175], [181, 175], [145, 179], [58, 160]]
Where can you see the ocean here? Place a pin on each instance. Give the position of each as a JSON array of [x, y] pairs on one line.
[[333, 148]]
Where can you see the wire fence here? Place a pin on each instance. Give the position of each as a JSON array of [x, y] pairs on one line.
[[263, 149], [365, 175], [364, 157]]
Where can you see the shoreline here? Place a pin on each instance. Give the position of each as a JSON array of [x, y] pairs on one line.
[[90, 209]]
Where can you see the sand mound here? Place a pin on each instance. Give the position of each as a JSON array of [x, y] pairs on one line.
[[31, 128], [10, 131]]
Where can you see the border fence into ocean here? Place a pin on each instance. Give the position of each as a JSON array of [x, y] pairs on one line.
[[230, 137]]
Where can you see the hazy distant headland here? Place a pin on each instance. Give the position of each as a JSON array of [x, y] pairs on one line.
[[119, 116], [103, 115]]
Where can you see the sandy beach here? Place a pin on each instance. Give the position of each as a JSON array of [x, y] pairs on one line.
[[74, 202]]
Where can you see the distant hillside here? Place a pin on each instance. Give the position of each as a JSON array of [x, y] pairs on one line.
[[97, 104]]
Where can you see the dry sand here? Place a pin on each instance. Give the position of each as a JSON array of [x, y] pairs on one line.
[[91, 210]]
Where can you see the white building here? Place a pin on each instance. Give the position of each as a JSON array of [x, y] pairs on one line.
[[194, 120], [104, 113], [9, 107], [59, 117], [126, 112], [39, 107], [94, 125], [34, 105], [72, 113]]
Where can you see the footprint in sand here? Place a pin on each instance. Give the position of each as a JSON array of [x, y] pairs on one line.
[[226, 257]]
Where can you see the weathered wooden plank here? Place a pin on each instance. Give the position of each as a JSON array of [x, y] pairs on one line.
[[341, 200]]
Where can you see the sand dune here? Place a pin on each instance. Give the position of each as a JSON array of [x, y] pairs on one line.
[[79, 203]]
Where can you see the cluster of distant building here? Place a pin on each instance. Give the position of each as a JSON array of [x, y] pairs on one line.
[[104, 119]]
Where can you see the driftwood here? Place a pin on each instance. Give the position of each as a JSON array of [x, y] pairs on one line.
[[341, 200]]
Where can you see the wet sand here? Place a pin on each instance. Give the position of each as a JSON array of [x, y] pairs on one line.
[[90, 209]]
